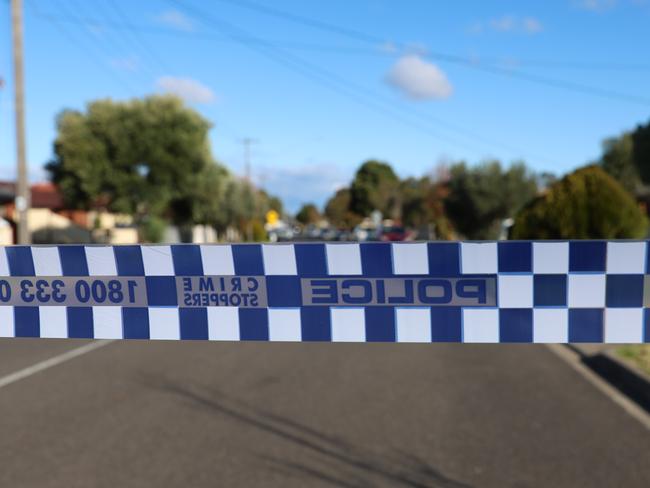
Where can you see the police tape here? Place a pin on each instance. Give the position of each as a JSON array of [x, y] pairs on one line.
[[509, 291]]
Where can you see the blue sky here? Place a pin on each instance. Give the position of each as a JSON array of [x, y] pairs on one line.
[[410, 82]]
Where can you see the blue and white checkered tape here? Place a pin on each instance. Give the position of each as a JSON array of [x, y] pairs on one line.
[[510, 291]]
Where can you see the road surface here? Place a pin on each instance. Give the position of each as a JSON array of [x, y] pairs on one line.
[[283, 415]]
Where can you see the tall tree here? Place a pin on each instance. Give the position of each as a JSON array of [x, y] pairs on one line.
[[276, 204], [337, 210], [627, 158], [586, 204], [641, 140], [308, 214], [375, 187], [240, 205], [618, 161], [206, 203], [482, 196], [423, 205], [142, 157]]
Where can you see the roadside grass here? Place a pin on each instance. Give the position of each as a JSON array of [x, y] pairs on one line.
[[639, 354]]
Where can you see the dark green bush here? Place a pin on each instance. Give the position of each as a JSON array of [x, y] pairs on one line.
[[586, 204]]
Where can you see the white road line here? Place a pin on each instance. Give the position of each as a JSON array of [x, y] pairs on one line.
[[573, 360], [51, 362]]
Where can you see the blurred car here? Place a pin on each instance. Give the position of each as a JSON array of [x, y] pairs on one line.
[[311, 232], [329, 234], [345, 235], [396, 233]]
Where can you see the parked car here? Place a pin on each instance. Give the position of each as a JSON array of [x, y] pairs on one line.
[[396, 233]]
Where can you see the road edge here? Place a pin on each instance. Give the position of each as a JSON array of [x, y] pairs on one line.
[[576, 361]]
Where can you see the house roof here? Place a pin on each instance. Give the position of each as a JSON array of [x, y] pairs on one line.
[[47, 195], [43, 195]]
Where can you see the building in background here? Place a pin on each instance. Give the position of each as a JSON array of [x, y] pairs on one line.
[[50, 222]]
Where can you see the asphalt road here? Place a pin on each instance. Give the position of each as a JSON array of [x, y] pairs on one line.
[[242, 415]]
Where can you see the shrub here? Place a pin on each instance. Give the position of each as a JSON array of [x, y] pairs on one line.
[[586, 204]]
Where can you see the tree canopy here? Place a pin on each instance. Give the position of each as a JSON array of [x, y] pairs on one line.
[[337, 210], [140, 157], [586, 204], [627, 158], [150, 158], [308, 214], [375, 187], [482, 196], [423, 205], [618, 161]]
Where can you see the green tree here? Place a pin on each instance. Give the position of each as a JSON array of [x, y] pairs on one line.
[[618, 161], [586, 204], [276, 204], [308, 214], [423, 205], [337, 210], [153, 228], [206, 203], [482, 196], [243, 206], [266, 202], [627, 158], [142, 157], [375, 187], [641, 142]]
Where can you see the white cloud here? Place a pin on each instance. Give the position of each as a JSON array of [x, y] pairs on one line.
[[419, 79], [188, 89], [177, 20], [508, 23]]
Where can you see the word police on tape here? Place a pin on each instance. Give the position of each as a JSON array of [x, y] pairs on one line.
[[466, 292]]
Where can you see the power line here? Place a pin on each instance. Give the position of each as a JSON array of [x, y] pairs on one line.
[[568, 85], [118, 43], [83, 46], [313, 72], [301, 65], [364, 37], [286, 44], [358, 94], [138, 39], [506, 62], [510, 62], [351, 33]]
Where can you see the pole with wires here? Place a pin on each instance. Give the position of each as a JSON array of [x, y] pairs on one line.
[[22, 188]]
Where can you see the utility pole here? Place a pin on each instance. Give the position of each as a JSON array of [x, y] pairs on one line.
[[22, 187]]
